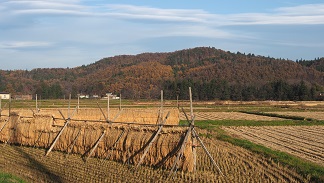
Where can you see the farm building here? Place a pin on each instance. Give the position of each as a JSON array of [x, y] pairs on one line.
[[23, 97], [4, 95]]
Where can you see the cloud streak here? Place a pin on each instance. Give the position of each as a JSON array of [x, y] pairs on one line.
[[25, 44], [297, 15], [98, 30]]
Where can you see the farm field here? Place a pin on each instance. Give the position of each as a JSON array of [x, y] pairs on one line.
[[306, 142], [229, 116], [237, 165]]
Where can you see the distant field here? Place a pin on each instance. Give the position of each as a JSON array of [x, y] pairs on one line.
[[306, 142], [229, 116]]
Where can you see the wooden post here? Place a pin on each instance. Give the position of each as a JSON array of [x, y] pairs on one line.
[[78, 103], [69, 105], [108, 106], [36, 103], [194, 142], [161, 109], [153, 139], [120, 101], [0, 106], [9, 106], [96, 145]]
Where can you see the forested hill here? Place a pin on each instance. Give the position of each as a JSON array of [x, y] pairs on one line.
[[212, 74]]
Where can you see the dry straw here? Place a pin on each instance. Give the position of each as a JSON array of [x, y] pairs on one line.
[[121, 142]]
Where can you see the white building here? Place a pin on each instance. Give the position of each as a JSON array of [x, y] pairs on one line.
[[4, 95]]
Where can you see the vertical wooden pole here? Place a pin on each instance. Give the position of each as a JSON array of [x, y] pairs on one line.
[[194, 141], [108, 95], [0, 106], [9, 106], [191, 110], [69, 106], [36, 103], [120, 101], [78, 102], [161, 109]]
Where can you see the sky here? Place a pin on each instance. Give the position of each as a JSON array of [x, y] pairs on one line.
[[71, 33]]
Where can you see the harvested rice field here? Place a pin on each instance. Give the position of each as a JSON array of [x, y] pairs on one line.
[[306, 142], [80, 156], [230, 116], [237, 165]]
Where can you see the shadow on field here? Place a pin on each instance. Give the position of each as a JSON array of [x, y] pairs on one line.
[[39, 167]]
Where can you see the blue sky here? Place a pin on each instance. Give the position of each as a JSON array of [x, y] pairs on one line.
[[61, 33]]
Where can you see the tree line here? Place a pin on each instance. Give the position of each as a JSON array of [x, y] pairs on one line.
[[223, 90]]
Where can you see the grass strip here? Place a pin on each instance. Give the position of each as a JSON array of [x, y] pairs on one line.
[[208, 124], [277, 115], [8, 178], [308, 169]]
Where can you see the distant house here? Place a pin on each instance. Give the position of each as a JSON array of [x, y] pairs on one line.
[[23, 97], [5, 95], [82, 96], [95, 96]]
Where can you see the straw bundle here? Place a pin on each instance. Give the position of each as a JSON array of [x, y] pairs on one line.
[[133, 115], [121, 142]]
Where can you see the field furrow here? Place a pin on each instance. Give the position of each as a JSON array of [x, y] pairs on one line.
[[281, 138]]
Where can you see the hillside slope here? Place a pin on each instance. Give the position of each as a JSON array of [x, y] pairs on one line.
[[213, 73]]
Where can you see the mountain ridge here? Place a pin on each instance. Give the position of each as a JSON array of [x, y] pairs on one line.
[[145, 74]]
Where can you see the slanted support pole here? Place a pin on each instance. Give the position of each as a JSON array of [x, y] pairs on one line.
[[96, 145], [152, 141], [103, 113], [117, 115], [67, 121], [39, 136], [182, 148], [7, 121], [115, 143], [207, 152], [74, 141]]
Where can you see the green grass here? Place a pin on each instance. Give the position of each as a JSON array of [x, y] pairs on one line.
[[8, 178], [209, 124], [278, 115]]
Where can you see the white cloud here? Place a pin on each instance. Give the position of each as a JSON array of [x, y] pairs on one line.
[[96, 31], [24, 44]]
